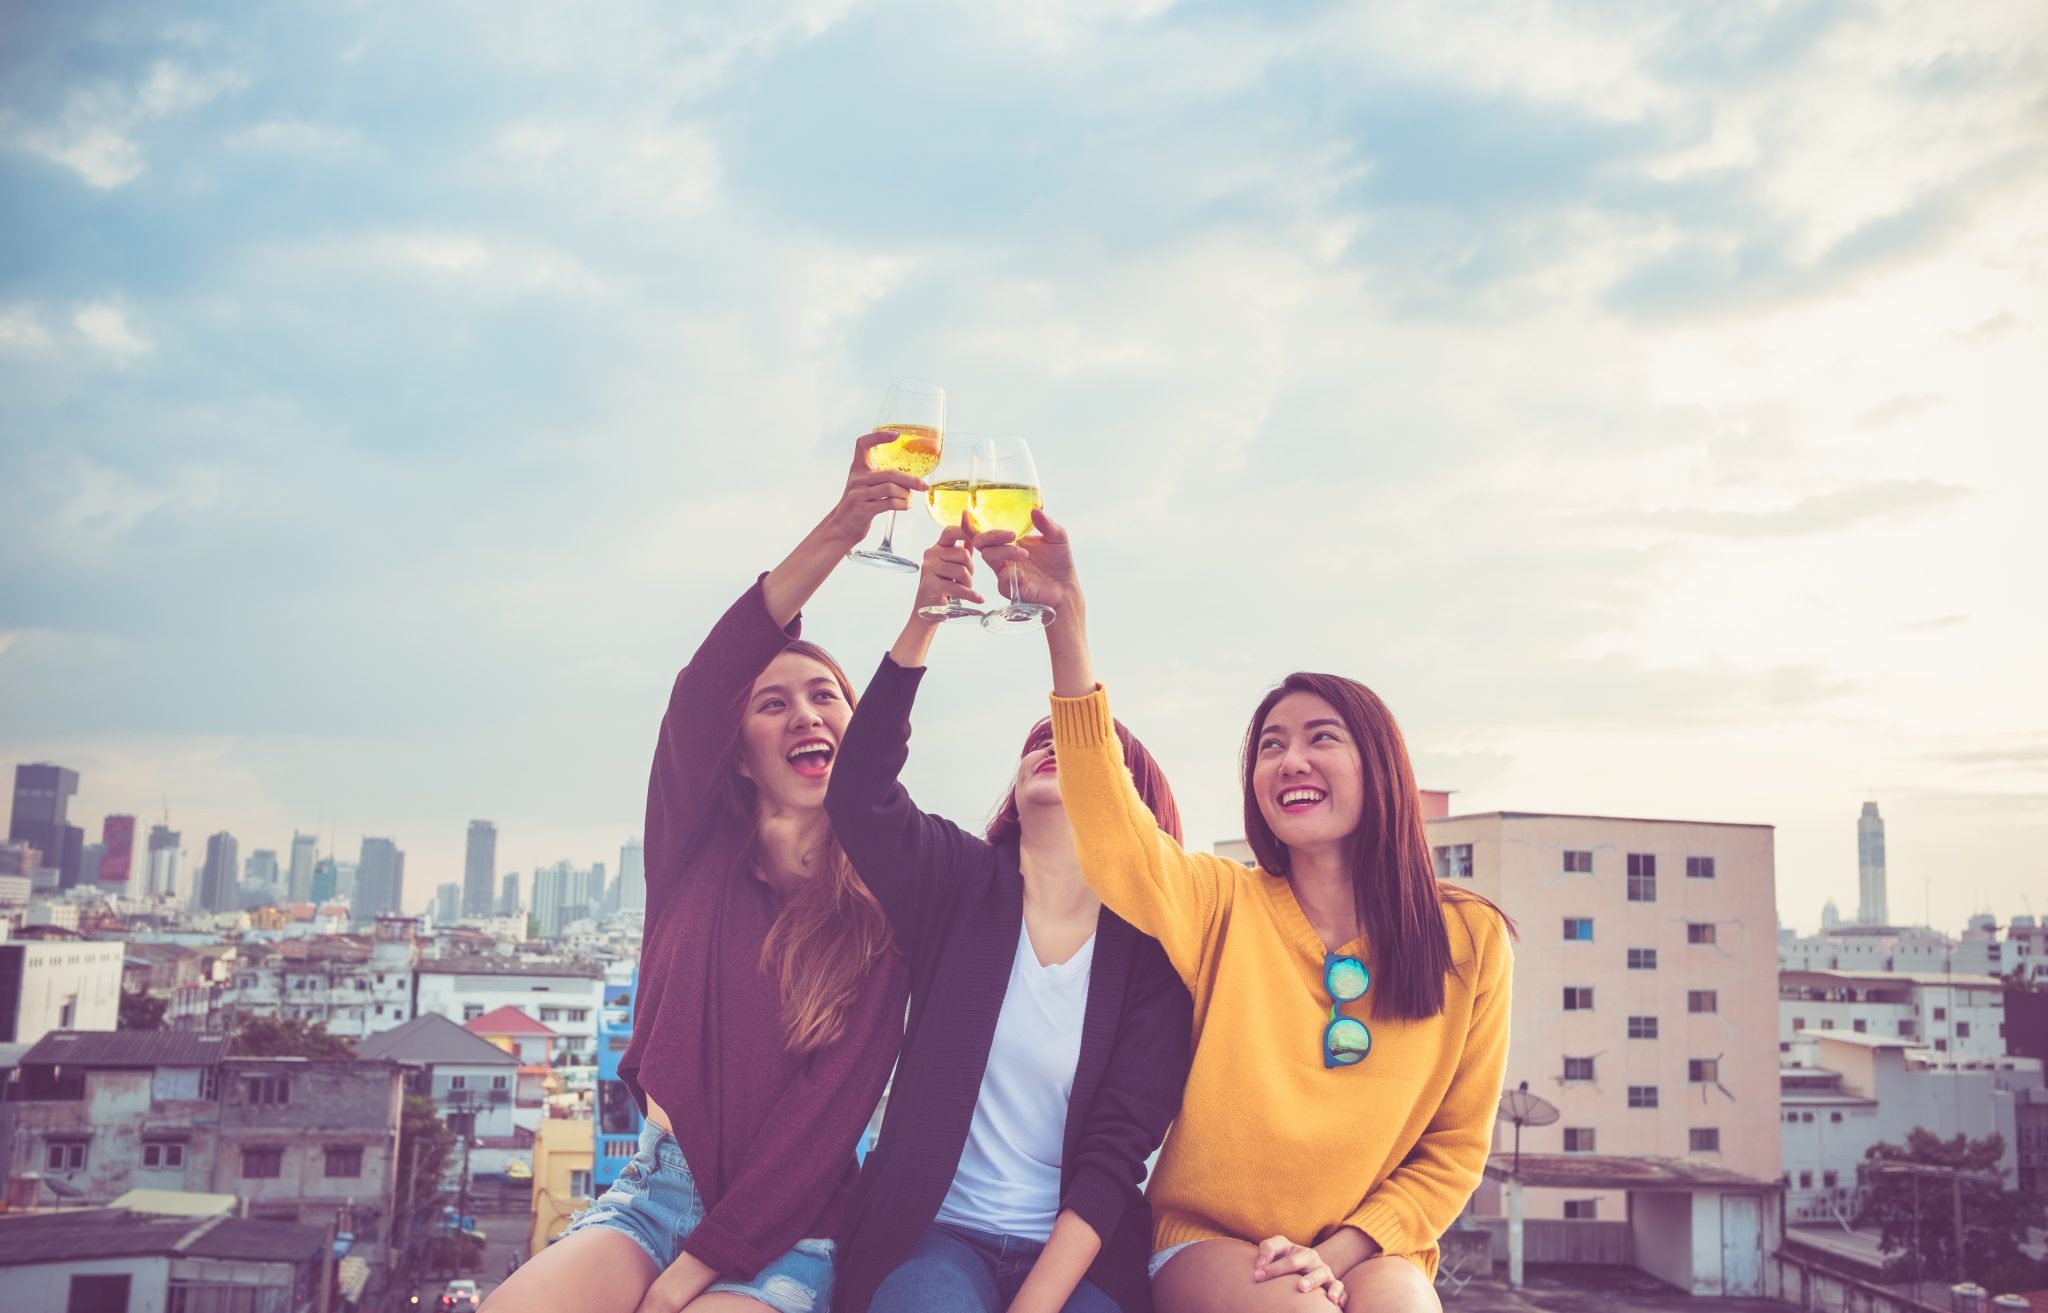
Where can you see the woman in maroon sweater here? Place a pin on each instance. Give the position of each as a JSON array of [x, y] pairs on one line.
[[1048, 1040], [771, 995]]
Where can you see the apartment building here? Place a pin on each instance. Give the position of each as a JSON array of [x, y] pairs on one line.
[[1960, 1015], [352, 985], [563, 996]]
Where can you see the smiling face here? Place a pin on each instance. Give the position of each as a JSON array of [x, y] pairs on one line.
[[1307, 773], [790, 731], [1038, 772]]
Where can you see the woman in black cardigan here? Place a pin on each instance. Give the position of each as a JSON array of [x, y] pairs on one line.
[[1008, 1170]]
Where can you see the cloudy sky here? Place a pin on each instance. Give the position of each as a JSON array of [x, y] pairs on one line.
[[1635, 395]]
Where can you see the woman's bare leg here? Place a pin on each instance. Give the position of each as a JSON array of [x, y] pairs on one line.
[[1390, 1284], [1215, 1276], [597, 1270]]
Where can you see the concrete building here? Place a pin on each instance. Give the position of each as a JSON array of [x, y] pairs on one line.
[[58, 984], [479, 868], [139, 1262], [561, 1180], [447, 904], [2026, 948], [166, 876], [1645, 1006], [1955, 1014], [299, 880], [261, 871], [470, 1080], [629, 891], [219, 885], [379, 881], [116, 870], [1871, 907], [312, 1142], [42, 802], [1850, 1091], [531, 1046], [508, 896], [563, 996], [352, 985], [551, 895], [1977, 952]]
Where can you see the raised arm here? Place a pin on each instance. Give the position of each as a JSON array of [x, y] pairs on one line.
[[1141, 874], [698, 724]]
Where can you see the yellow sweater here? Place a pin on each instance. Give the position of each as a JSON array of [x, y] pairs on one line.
[[1269, 1141]]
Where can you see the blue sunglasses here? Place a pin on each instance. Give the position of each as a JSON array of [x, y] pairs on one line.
[[1346, 1041]]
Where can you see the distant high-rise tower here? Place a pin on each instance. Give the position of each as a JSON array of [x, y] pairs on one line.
[[630, 890], [298, 886], [218, 887], [447, 903], [117, 857], [597, 888], [1830, 915], [325, 876], [478, 867], [1871, 910], [261, 870], [380, 881], [166, 862], [508, 895], [42, 799]]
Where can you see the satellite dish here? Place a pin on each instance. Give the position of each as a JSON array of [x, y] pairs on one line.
[[1521, 1108]]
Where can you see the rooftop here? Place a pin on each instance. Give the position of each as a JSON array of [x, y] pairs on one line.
[[1594, 1171], [128, 1048], [507, 966], [1569, 1288], [430, 1038], [1957, 978], [1577, 816], [96, 1233], [506, 1020]]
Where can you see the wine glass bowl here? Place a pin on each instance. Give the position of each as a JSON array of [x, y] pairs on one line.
[[915, 411], [1003, 491]]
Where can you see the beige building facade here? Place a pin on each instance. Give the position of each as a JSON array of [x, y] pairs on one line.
[[1646, 986]]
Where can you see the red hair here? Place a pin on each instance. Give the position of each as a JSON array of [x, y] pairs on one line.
[[1395, 892], [830, 933], [1006, 827]]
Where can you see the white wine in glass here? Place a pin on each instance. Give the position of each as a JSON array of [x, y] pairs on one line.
[[916, 412], [1002, 493], [949, 487]]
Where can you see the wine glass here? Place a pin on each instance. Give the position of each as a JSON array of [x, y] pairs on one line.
[[916, 412], [1002, 493], [949, 489]]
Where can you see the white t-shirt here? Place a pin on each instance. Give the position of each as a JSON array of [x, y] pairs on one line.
[[1009, 1177]]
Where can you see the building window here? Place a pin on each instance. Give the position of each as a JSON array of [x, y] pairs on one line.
[[578, 1014], [579, 1183], [1792, 1119], [1642, 959], [471, 1011], [266, 1090], [345, 1161], [1699, 868], [1806, 1117], [1941, 1046], [1703, 1071], [1454, 862], [619, 1043], [1578, 1069], [1705, 1139], [1699, 932], [1642, 877], [1834, 1116], [1581, 1210], [1806, 1180], [458, 1082], [159, 1154], [1962, 1030], [1858, 1025], [551, 1014], [1830, 1179], [64, 1156], [500, 1082], [1642, 1027], [1798, 1024], [1702, 1000], [1827, 1023], [1578, 861], [1579, 928], [1642, 1096], [1578, 998], [1941, 1014], [1578, 1139], [262, 1164]]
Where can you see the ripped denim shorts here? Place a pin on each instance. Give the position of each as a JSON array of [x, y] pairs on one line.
[[655, 1201]]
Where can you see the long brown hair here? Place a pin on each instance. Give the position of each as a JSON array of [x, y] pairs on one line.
[[1394, 889], [1007, 827], [831, 932]]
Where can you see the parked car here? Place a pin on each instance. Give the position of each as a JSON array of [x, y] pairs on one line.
[[517, 1169], [459, 1294]]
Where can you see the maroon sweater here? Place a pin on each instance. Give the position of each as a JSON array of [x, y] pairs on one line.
[[768, 1134]]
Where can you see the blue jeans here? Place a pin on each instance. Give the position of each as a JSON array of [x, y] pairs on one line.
[[958, 1270]]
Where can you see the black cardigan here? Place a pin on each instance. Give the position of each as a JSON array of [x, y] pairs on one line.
[[956, 904]]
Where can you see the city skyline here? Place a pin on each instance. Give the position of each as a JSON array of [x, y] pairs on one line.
[[1635, 399]]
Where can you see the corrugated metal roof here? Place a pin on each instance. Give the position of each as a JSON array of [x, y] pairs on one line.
[[87, 1233], [127, 1048], [256, 1241], [429, 1038]]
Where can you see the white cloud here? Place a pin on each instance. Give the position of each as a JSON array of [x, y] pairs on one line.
[[94, 134], [294, 137], [22, 329], [105, 328]]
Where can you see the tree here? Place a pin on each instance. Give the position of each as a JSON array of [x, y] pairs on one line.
[[1916, 1211], [141, 1012], [287, 1037], [424, 1143]]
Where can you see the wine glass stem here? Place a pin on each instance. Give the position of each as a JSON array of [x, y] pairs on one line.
[[889, 535], [1015, 599]]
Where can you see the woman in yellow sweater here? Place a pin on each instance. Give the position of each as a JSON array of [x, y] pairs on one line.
[[1351, 1013]]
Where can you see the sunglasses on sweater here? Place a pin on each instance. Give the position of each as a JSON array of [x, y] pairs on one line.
[[1346, 1041]]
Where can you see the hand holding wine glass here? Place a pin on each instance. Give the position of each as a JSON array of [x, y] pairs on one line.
[[1036, 569], [1004, 494], [914, 415], [870, 492], [947, 576]]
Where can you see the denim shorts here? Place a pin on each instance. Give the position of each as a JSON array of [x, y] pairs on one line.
[[655, 1201]]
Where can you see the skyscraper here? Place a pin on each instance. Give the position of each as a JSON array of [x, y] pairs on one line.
[[508, 895], [117, 860], [219, 890], [321, 888], [166, 862], [305, 855], [630, 890], [1870, 909], [261, 870], [380, 881], [550, 891], [447, 903], [479, 865], [42, 799], [596, 891]]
